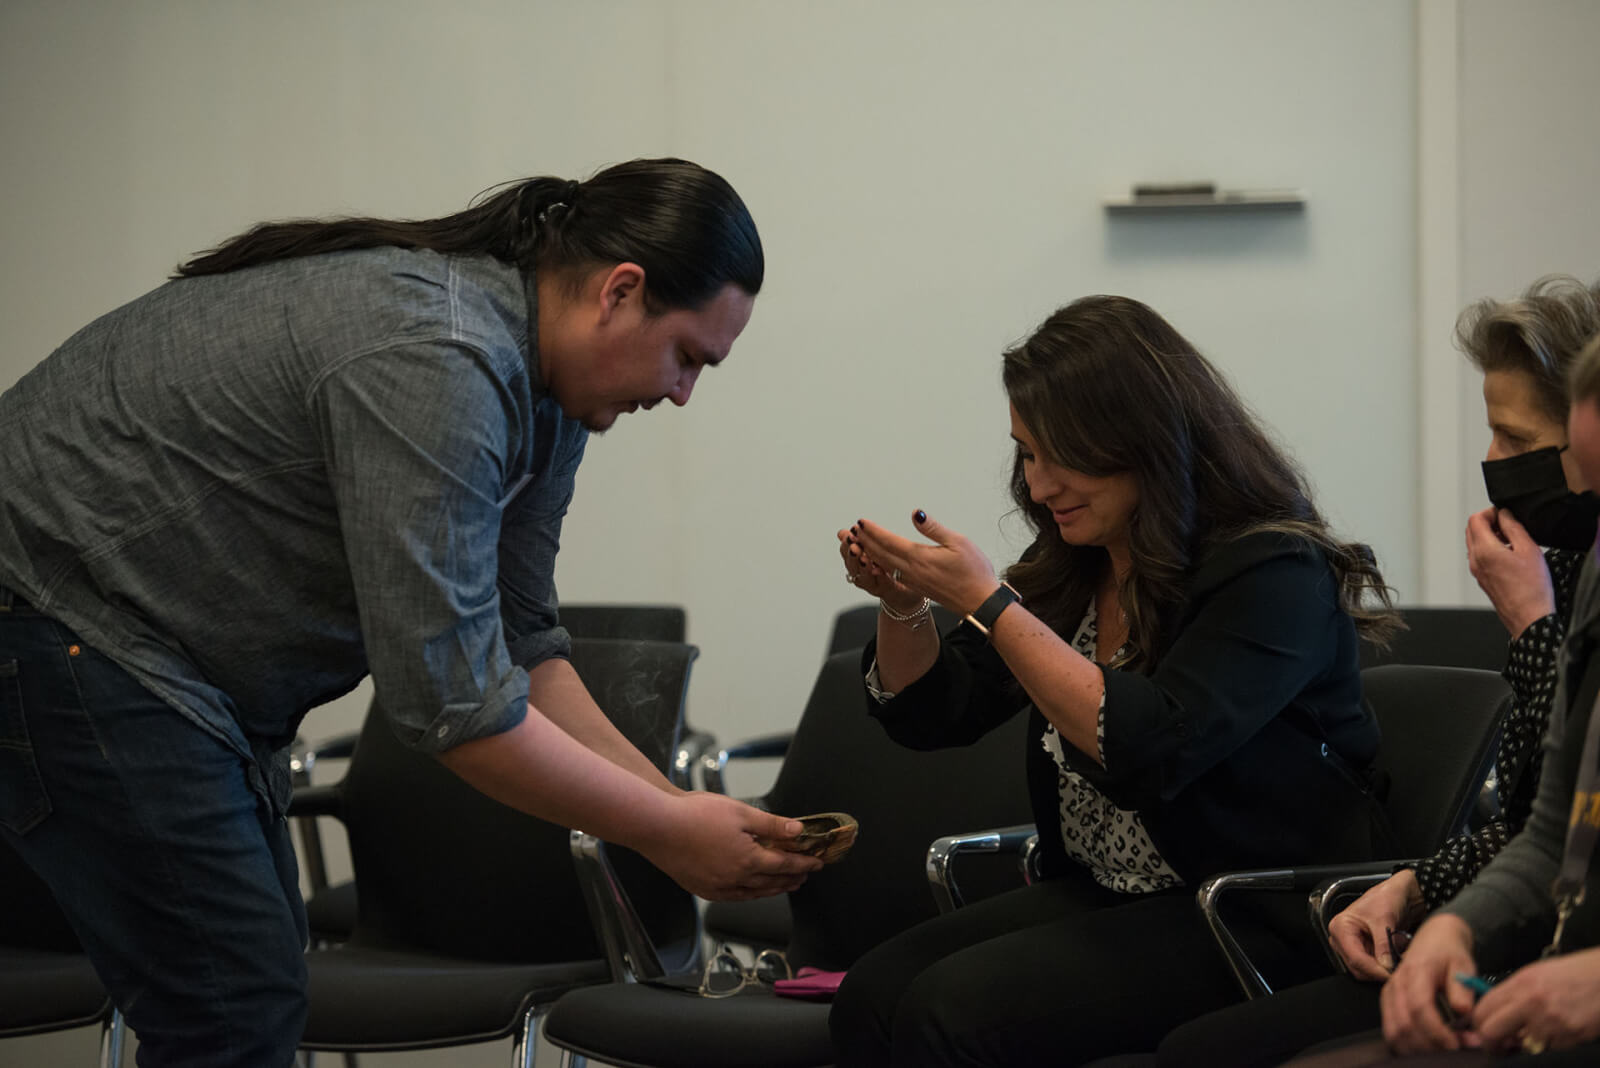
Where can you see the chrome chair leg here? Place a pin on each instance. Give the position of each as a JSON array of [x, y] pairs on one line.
[[111, 1034], [526, 1048], [565, 1058]]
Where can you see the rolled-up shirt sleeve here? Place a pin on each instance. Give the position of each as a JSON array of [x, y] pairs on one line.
[[530, 537], [419, 441]]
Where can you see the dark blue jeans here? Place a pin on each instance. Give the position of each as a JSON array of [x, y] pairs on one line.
[[177, 876]]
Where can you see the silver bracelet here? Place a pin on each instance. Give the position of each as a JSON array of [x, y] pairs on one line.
[[914, 619]]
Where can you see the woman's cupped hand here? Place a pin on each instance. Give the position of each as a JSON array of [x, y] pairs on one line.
[[952, 571]]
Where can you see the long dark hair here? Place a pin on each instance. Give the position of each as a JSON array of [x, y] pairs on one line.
[[1107, 386], [682, 223]]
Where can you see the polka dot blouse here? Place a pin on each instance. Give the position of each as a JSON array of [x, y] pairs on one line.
[[1531, 671]]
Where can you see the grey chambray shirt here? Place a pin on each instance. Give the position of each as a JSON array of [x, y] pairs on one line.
[[251, 489]]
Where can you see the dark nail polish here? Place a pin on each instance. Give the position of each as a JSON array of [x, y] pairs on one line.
[[919, 516]]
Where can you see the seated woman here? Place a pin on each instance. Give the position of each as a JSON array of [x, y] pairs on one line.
[[1525, 349], [1528, 918], [1182, 635]]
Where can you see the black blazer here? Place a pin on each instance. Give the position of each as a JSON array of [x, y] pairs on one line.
[[1247, 746]]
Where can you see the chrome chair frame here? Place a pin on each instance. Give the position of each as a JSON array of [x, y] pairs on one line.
[[629, 953], [1310, 880], [113, 1035], [692, 750], [1333, 896], [1327, 885], [714, 765], [1022, 839]]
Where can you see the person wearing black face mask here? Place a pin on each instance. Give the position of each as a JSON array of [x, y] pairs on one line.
[[1525, 551], [1530, 918], [1533, 487], [1537, 495], [1539, 498]]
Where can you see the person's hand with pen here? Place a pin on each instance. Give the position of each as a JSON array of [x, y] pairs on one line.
[[1550, 1004], [1435, 999]]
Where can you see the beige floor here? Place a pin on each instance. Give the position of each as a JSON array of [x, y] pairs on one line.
[[80, 1049]]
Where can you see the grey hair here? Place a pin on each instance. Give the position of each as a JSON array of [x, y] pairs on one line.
[[1539, 334], [1585, 382]]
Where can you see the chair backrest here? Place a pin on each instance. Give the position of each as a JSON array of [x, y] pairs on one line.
[[641, 622], [853, 627], [841, 760], [46, 984], [444, 869], [1448, 637], [1440, 726], [30, 917]]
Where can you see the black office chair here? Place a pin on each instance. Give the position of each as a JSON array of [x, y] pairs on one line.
[[641, 622], [1440, 727], [765, 923], [471, 920], [331, 909], [46, 983], [840, 759], [1445, 637], [853, 627]]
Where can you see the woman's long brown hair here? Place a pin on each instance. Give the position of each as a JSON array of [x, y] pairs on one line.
[[1107, 386]]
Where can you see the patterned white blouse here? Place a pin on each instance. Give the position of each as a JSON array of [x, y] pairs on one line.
[[1111, 842]]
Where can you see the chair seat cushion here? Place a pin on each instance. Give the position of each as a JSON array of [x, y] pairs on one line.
[[368, 999], [764, 922], [42, 990], [641, 1026], [331, 912]]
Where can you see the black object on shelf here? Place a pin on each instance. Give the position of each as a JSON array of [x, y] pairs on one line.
[[1203, 196]]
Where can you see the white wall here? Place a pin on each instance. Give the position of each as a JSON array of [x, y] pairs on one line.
[[1529, 165], [927, 177], [930, 188]]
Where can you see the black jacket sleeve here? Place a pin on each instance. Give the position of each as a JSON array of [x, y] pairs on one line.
[[1261, 627], [965, 694]]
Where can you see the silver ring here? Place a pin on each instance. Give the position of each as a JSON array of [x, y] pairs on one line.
[[896, 575], [849, 578]]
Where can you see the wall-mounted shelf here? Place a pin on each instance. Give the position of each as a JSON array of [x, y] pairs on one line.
[[1218, 200]]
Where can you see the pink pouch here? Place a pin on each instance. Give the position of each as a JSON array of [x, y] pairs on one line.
[[812, 983]]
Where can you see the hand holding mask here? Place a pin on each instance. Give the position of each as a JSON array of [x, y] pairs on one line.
[[1533, 487]]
